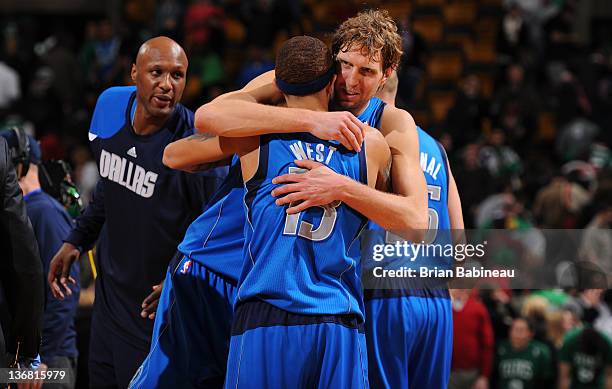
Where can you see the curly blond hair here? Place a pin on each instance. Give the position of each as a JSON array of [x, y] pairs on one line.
[[373, 32]]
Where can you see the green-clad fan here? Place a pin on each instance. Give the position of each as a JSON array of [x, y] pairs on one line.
[[521, 362], [586, 357]]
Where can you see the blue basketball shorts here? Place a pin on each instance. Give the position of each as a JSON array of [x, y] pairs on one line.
[[192, 330], [409, 341], [272, 348]]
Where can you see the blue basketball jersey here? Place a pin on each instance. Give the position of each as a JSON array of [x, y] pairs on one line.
[[404, 318], [434, 164], [300, 263], [216, 238], [373, 112]]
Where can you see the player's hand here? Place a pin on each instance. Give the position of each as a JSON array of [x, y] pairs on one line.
[[149, 304], [59, 270], [319, 186], [343, 127]]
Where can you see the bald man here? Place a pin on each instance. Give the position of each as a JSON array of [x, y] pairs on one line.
[[139, 211]]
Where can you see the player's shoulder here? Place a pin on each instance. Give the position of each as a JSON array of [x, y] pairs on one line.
[[375, 142], [110, 111], [397, 119], [373, 136], [115, 96]]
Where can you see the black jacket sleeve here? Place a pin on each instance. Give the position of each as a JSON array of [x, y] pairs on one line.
[[21, 274], [88, 226]]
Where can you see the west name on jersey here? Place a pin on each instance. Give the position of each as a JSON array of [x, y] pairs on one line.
[[429, 165], [314, 152], [127, 174]]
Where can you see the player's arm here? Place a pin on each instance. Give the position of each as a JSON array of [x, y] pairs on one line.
[[404, 213], [378, 156], [196, 153], [88, 225], [82, 237], [192, 153], [321, 185], [243, 113], [407, 177]]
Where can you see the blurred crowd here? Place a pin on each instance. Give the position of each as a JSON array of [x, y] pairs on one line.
[[532, 155]]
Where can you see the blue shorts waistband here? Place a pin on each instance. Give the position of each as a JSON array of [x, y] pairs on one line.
[[256, 314]]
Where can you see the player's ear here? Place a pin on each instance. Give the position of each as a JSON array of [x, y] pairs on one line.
[[386, 74], [133, 73]]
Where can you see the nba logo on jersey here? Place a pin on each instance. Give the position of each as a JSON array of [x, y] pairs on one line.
[[186, 266]]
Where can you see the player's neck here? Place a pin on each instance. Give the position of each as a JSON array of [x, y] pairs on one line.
[[145, 124], [312, 102], [356, 111]]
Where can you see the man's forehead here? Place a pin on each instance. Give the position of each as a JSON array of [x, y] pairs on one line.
[[156, 54], [361, 56]]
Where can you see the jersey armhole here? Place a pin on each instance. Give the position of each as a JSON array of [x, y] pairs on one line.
[[363, 165], [445, 159]]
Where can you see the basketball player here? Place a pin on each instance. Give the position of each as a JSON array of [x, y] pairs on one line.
[[299, 306], [192, 329], [212, 259], [367, 48], [140, 209], [200, 247], [409, 327]]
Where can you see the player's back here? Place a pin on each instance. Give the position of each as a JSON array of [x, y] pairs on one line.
[[406, 315], [434, 164], [300, 263]]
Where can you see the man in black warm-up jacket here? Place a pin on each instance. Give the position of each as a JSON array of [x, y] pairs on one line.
[[21, 276]]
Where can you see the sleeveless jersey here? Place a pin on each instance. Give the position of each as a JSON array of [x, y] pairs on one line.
[[434, 164], [300, 263], [215, 239]]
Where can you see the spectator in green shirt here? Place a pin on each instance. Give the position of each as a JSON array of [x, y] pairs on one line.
[[586, 357], [521, 362]]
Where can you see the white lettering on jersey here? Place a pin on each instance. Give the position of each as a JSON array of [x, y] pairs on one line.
[[331, 151], [430, 167], [104, 163], [298, 150], [316, 154], [320, 148], [127, 174]]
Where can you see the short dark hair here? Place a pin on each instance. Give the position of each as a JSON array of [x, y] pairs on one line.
[[302, 59], [531, 324]]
